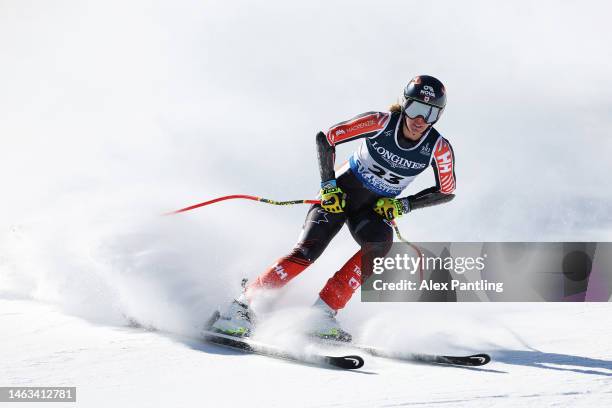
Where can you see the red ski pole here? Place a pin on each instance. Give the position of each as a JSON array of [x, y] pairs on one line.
[[243, 196], [290, 202]]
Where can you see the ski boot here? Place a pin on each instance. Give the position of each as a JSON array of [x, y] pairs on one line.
[[326, 326], [237, 319]]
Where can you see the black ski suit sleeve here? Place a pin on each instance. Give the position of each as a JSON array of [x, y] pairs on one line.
[[326, 154], [428, 198]]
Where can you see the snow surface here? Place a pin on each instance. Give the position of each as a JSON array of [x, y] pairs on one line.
[[555, 355]]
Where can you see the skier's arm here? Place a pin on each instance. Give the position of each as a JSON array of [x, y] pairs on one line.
[[427, 198], [368, 124], [443, 163], [365, 125], [326, 154], [333, 198]]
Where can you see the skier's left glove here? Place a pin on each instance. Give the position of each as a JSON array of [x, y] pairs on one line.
[[391, 208]]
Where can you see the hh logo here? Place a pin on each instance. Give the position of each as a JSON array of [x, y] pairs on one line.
[[280, 271], [445, 164], [444, 158]]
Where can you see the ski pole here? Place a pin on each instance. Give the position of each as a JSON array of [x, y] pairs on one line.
[[398, 234], [290, 202], [243, 196], [273, 202]]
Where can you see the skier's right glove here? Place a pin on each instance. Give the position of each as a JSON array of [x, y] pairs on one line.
[[391, 208], [333, 199]]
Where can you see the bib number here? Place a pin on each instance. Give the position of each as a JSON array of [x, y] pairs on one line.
[[380, 172]]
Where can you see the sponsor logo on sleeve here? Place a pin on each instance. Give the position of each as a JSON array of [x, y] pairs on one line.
[[444, 160], [357, 128]]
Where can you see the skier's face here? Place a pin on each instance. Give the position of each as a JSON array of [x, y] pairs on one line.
[[415, 127]]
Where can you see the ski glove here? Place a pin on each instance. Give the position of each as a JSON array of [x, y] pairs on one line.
[[391, 208], [333, 199]]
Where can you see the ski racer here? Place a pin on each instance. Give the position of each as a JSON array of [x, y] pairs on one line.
[[396, 147]]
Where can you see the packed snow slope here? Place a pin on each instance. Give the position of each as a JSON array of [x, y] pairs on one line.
[[557, 355]]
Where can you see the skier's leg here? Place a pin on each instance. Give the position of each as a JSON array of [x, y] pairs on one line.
[[333, 296], [367, 228], [340, 287], [318, 230]]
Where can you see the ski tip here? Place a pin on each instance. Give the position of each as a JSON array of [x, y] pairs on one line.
[[346, 362], [480, 359], [473, 361]]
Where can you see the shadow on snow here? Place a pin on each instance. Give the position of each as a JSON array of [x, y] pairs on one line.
[[554, 361]]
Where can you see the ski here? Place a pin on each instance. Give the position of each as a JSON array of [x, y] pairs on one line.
[[473, 360], [350, 362], [247, 345]]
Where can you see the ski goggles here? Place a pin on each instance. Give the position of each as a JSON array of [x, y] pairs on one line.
[[429, 113]]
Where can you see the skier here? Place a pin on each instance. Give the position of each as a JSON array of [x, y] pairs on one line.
[[397, 146]]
